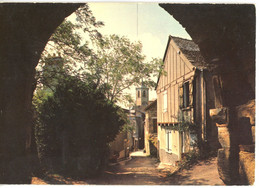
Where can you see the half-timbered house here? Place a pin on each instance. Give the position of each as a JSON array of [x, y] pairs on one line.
[[184, 98]]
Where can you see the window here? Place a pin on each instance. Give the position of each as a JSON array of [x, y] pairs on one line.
[[155, 125], [138, 94], [144, 94], [186, 94], [168, 140], [165, 101]]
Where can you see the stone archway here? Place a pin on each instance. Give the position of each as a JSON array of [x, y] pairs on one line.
[[224, 33], [226, 37], [25, 30]]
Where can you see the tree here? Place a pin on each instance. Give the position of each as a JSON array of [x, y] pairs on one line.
[[78, 88], [111, 60], [77, 120], [120, 65], [67, 40], [68, 48]]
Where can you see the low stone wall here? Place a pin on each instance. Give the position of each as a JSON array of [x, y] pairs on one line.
[[247, 167], [236, 134], [168, 158]]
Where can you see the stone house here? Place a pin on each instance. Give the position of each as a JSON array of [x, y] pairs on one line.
[[137, 116], [150, 129], [184, 97], [133, 139]]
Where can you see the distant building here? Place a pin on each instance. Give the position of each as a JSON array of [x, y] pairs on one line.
[[184, 97], [127, 141], [142, 96], [150, 129], [137, 116]]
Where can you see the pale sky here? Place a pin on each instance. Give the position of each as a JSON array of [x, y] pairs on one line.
[[153, 27], [145, 22]]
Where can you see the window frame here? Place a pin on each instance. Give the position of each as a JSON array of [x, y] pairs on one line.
[[186, 94], [154, 120], [144, 94]]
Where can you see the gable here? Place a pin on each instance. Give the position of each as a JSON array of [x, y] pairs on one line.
[[176, 65]]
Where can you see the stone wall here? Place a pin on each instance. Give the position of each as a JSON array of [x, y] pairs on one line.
[[247, 167], [25, 30], [246, 141], [150, 129], [120, 147]]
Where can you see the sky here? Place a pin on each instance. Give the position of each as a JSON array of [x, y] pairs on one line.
[[145, 22], [152, 25]]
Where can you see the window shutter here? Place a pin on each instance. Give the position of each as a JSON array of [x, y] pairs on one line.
[[191, 93], [181, 96]]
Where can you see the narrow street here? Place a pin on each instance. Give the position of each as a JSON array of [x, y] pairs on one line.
[[147, 171]]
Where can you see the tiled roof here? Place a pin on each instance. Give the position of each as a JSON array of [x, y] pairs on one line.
[[190, 50], [151, 104]]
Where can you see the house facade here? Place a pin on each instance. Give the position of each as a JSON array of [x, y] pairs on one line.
[[137, 116], [184, 95], [150, 129], [132, 139]]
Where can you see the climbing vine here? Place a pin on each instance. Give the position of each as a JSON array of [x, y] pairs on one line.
[[184, 123]]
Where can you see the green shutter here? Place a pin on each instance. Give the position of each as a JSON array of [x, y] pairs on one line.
[[181, 96]]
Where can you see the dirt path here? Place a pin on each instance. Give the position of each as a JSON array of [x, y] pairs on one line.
[[203, 173], [145, 171], [137, 171]]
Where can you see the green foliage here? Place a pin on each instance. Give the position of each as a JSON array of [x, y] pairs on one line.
[[78, 114], [113, 61], [67, 52], [184, 124], [153, 143], [188, 159], [53, 70], [120, 64], [67, 40], [77, 88], [128, 127], [194, 156]]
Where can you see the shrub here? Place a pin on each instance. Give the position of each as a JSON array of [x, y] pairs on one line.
[[74, 127]]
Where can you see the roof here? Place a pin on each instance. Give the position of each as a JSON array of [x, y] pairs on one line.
[[189, 49], [185, 44], [150, 105]]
